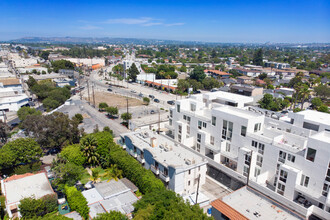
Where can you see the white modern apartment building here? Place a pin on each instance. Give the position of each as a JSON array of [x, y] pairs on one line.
[[178, 168], [288, 160]]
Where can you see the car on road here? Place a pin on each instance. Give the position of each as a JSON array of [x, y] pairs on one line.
[[171, 102], [110, 90], [141, 95], [151, 96], [133, 91], [152, 112], [156, 100]]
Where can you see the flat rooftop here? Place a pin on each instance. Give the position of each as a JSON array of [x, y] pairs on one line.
[[227, 96], [322, 136], [165, 151], [27, 185], [315, 116], [238, 112], [253, 205]]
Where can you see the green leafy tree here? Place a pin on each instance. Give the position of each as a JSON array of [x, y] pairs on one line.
[[95, 175], [258, 57], [183, 69], [31, 82], [210, 83], [21, 150], [146, 100], [51, 131], [31, 208], [62, 64], [112, 215], [4, 133], [322, 91], [113, 173], [323, 108], [73, 154], [316, 102], [103, 106], [304, 94], [198, 74], [44, 55], [78, 117], [23, 112], [126, 116], [133, 72], [113, 111], [67, 173]]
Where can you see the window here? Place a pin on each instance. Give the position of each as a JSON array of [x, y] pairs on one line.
[[199, 138], [199, 124], [179, 137], [304, 180], [178, 108], [245, 171], [171, 113], [170, 122], [280, 189], [198, 147], [282, 156], [227, 130], [327, 178], [179, 129], [165, 172], [257, 127], [192, 107], [188, 129], [185, 117], [227, 147], [212, 140], [261, 148], [311, 126], [243, 131], [189, 172], [311, 154], [189, 183], [291, 158], [214, 121], [256, 172], [204, 124], [259, 160], [283, 176], [188, 119], [325, 190], [247, 159], [254, 144]]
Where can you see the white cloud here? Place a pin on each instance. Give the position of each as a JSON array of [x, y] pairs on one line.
[[174, 24], [143, 20], [152, 24], [90, 27]]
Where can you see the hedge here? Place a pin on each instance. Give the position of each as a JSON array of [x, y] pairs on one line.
[[77, 201], [144, 179]]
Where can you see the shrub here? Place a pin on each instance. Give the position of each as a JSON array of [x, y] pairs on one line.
[[73, 154], [29, 168], [77, 201], [112, 215], [31, 207], [78, 117]]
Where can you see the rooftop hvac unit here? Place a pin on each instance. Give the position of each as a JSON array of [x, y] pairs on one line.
[[167, 148], [190, 161]]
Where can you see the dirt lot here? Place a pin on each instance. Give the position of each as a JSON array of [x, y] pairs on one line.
[[114, 100]]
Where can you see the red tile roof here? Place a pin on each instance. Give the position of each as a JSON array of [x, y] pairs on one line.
[[16, 177], [227, 210]]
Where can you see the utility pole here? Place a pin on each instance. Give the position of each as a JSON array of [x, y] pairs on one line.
[[89, 99], [199, 177], [93, 94], [158, 121], [127, 114]]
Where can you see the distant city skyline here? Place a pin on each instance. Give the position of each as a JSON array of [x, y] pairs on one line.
[[209, 21]]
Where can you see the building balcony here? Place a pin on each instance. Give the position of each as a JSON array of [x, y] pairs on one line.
[[154, 169], [229, 155], [230, 165], [164, 177], [132, 153], [141, 160], [215, 148]]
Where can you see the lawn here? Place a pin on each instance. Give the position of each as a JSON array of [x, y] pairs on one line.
[[86, 176]]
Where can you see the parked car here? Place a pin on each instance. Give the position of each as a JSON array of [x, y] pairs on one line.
[[156, 100], [214, 90], [151, 96], [171, 102], [152, 112], [141, 95], [133, 91], [196, 92], [110, 90]]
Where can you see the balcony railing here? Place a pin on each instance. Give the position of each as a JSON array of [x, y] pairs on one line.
[[134, 154], [154, 169], [164, 177], [141, 160]]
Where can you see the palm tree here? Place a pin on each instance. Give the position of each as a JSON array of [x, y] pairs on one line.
[[161, 73], [113, 173], [89, 150], [304, 94], [95, 175], [168, 77], [297, 89]]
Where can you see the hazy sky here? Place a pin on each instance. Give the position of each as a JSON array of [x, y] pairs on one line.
[[216, 21]]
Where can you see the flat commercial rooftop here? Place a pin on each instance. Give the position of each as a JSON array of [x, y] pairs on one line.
[[110, 189], [315, 116], [253, 205], [26, 185], [228, 96], [164, 151], [322, 136]]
